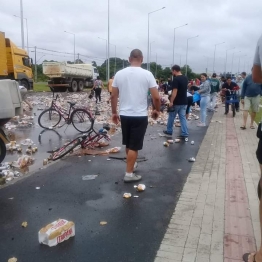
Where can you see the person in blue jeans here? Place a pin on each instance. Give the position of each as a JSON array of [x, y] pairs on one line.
[[204, 91], [178, 103]]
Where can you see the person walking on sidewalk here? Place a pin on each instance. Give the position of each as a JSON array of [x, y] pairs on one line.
[[178, 103], [250, 98], [204, 92], [131, 86], [229, 85], [257, 78], [215, 84], [98, 85]]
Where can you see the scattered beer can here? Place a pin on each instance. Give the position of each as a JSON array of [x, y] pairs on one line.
[[45, 161], [140, 187], [192, 142], [191, 159], [170, 141], [177, 140], [127, 195], [166, 144]]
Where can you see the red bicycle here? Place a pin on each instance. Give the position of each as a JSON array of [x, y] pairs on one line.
[[80, 118], [86, 140]]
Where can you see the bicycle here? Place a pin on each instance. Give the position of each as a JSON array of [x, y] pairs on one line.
[[80, 118], [86, 140], [231, 100]]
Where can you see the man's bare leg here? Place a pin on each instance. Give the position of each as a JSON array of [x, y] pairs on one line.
[[245, 115], [253, 116], [131, 157]]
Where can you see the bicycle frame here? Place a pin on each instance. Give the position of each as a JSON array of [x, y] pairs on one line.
[[90, 141]]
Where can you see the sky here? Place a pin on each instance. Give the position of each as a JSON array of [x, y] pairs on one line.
[[238, 23]]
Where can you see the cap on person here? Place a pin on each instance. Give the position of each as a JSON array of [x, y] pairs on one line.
[[214, 75]]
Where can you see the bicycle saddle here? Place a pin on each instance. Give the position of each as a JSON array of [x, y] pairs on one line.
[[71, 103]]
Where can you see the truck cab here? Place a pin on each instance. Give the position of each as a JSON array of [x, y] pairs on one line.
[[15, 63]]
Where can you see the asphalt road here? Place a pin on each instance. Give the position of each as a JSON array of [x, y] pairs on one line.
[[135, 226]]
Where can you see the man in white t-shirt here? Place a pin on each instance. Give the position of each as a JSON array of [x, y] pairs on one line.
[[131, 85], [257, 78]]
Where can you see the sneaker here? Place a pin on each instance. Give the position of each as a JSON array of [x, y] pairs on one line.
[[167, 133], [135, 166], [201, 124], [133, 178]]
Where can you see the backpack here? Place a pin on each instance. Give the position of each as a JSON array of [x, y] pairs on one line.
[[98, 84]]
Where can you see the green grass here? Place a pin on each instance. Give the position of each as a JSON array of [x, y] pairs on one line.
[[259, 114], [40, 87]]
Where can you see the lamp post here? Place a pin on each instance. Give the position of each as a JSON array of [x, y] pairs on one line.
[[215, 55], [74, 44], [175, 41], [108, 41], [226, 59], [148, 38], [207, 63], [106, 55], [22, 23], [233, 61], [239, 63], [187, 49], [150, 53], [26, 32]]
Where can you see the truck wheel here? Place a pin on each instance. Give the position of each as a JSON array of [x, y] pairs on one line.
[[25, 83], [80, 86], [2, 150], [73, 87]]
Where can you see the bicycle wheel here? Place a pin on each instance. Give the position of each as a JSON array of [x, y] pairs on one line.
[[65, 149], [233, 109], [82, 120], [49, 118]]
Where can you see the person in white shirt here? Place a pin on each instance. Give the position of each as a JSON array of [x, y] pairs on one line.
[[257, 78], [131, 85]]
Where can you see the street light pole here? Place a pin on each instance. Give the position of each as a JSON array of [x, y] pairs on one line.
[[106, 54], [26, 32], [108, 41], [226, 59], [148, 37], [74, 44], [150, 54], [207, 63], [22, 23], [175, 41], [156, 67], [35, 67], [215, 55], [232, 62], [187, 49]]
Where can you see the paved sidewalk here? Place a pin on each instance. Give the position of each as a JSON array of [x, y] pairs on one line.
[[216, 218]]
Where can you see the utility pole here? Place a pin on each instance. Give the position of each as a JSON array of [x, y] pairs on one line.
[[77, 58], [35, 66], [22, 24]]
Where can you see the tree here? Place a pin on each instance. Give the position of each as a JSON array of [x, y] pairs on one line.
[[94, 63]]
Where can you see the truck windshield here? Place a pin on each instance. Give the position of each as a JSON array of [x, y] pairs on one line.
[[95, 70], [26, 61]]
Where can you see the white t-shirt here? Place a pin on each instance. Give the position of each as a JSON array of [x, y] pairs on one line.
[[258, 53], [188, 94], [133, 84]]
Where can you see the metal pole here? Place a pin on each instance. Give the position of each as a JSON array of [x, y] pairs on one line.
[[22, 23], [232, 64], [226, 64], [156, 66], [214, 59], [123, 63], [174, 46], [238, 65], [35, 67], [115, 61], [148, 67], [186, 55], [180, 60], [108, 43], [74, 48], [27, 36]]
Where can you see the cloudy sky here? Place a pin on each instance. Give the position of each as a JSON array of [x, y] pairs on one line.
[[235, 22]]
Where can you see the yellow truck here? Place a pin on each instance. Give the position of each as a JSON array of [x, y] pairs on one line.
[[15, 63]]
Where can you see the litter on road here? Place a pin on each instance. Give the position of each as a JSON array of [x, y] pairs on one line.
[[103, 223], [89, 177], [56, 232], [24, 224], [127, 195], [140, 187], [191, 159]]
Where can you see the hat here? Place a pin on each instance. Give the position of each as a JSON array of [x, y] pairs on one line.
[[214, 75]]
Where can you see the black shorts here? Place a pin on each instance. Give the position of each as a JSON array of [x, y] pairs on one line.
[[133, 131], [259, 152]]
